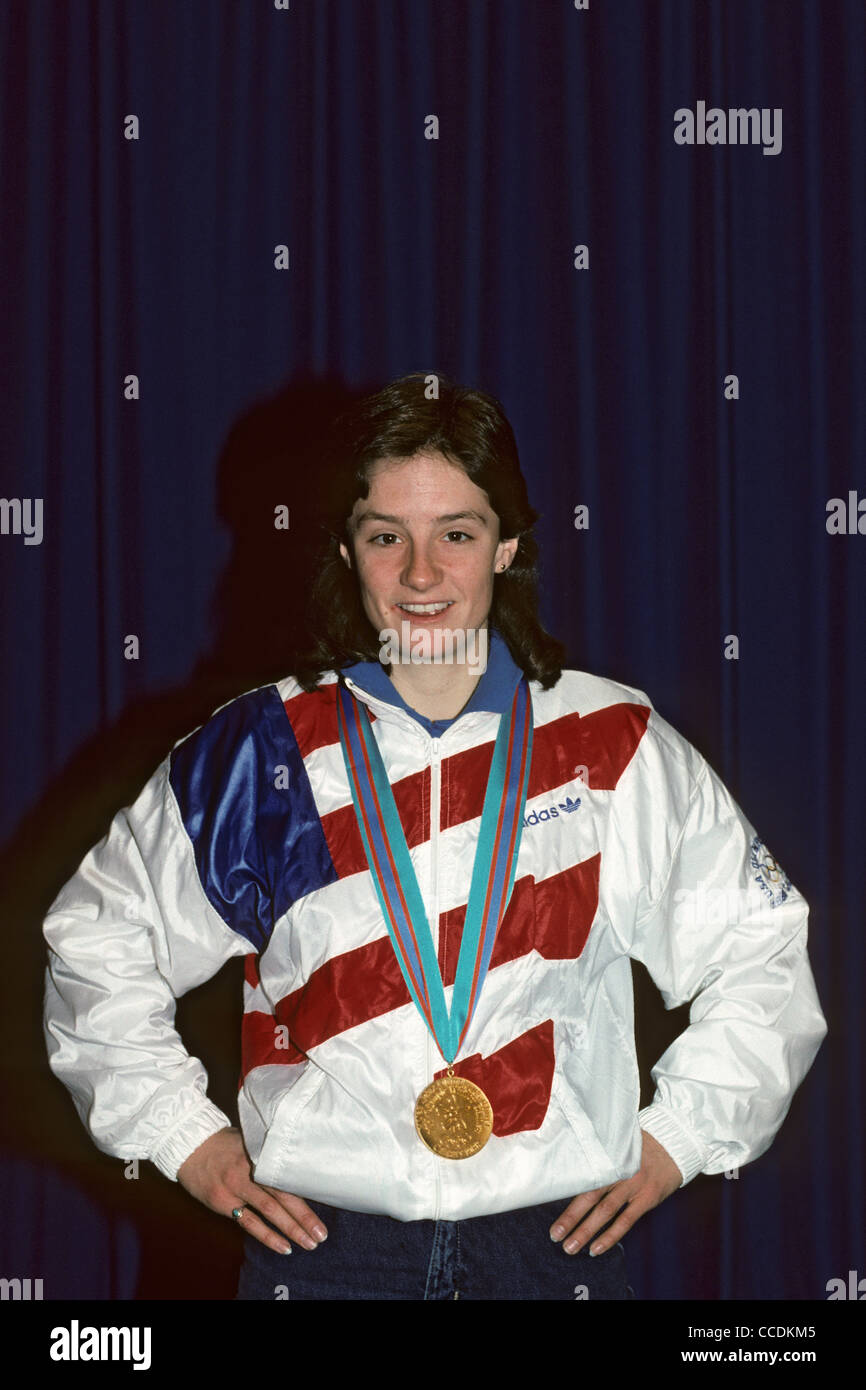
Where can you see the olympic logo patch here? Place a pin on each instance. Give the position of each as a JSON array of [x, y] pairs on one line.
[[768, 873]]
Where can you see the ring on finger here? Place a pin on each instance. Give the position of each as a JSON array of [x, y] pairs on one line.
[[237, 1212]]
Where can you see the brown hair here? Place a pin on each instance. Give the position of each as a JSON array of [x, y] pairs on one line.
[[469, 428]]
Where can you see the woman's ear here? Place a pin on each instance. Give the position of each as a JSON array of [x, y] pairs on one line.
[[505, 553]]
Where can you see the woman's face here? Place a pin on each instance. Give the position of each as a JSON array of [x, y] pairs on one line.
[[426, 547]]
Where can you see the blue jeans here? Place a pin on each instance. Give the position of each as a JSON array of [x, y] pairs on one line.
[[506, 1256]]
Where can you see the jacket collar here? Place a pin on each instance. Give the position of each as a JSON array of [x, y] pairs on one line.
[[493, 693]]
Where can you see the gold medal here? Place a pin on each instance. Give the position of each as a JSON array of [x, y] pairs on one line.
[[453, 1117]]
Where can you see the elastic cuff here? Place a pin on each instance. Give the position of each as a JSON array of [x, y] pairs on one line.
[[687, 1152], [186, 1137]]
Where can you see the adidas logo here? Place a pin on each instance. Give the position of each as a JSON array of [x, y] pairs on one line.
[[551, 812]]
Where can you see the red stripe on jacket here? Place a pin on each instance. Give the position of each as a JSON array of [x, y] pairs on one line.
[[552, 918], [516, 1079], [602, 743]]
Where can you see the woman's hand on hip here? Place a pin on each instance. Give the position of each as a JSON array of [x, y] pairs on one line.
[[219, 1174]]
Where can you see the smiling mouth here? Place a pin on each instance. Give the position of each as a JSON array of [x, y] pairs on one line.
[[424, 609]]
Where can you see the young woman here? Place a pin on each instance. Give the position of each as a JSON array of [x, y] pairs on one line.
[[438, 851]]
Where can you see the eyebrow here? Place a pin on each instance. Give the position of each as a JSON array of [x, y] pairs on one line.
[[401, 520]]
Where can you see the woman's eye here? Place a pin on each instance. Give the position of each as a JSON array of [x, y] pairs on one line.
[[388, 536]]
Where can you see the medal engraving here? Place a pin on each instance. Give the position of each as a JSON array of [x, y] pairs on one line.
[[453, 1117]]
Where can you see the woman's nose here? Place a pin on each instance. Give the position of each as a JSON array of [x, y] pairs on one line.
[[420, 567]]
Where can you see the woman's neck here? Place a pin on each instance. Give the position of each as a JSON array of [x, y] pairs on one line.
[[435, 690]]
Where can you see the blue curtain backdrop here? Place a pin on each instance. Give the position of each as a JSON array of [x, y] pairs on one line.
[[154, 256]]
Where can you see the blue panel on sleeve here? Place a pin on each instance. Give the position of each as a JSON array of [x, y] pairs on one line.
[[259, 847]]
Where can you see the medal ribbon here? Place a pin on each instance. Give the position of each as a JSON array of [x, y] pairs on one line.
[[394, 874]]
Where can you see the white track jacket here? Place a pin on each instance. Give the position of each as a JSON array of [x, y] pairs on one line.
[[244, 842]]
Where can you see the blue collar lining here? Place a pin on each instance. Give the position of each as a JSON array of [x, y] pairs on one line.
[[493, 692]]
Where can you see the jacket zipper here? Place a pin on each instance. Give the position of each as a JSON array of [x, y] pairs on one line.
[[435, 799]]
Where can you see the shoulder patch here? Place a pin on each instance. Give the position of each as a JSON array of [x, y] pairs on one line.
[[768, 874]]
